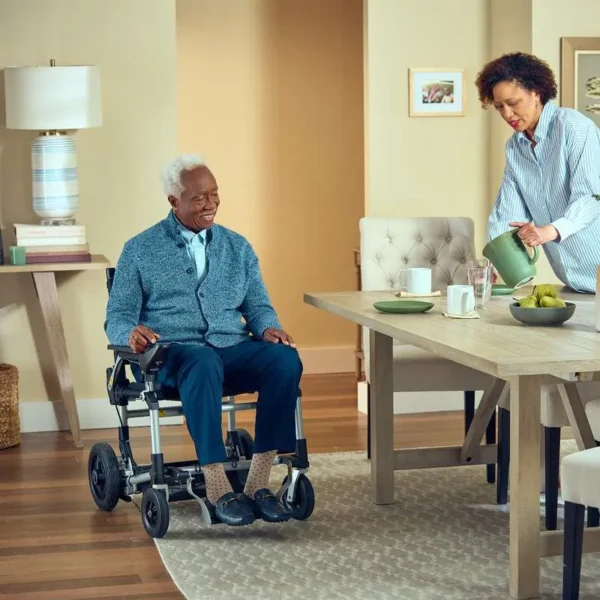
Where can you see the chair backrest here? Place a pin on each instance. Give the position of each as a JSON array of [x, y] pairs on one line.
[[387, 246], [110, 277]]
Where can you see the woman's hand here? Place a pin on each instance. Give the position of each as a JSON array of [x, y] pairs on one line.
[[535, 236]]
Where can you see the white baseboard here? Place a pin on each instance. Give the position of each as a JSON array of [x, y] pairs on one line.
[[327, 360], [99, 414], [93, 414], [418, 402]]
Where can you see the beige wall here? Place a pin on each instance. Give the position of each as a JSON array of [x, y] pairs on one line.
[[118, 164], [270, 93], [425, 166]]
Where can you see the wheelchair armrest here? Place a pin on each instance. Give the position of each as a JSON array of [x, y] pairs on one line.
[[149, 361]]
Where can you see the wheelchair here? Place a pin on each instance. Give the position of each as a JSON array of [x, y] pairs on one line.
[[113, 478]]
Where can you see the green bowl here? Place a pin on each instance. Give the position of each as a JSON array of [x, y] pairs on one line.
[[543, 316]]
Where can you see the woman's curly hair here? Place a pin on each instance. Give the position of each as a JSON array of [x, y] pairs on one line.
[[528, 71]]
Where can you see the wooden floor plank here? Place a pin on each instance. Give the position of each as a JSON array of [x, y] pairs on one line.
[[47, 516]]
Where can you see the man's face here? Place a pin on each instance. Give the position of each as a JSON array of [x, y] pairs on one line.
[[199, 201]]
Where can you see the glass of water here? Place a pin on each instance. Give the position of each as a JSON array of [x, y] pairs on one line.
[[479, 272]]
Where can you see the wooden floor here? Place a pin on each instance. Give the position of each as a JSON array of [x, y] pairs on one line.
[[55, 544]]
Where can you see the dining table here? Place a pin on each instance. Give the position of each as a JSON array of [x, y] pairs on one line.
[[523, 356]]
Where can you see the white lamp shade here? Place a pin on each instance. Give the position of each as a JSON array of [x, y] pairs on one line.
[[52, 98]]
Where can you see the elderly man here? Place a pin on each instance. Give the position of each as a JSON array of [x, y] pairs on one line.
[[190, 282]]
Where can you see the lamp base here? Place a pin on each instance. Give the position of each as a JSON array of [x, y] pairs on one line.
[[54, 177], [53, 222]]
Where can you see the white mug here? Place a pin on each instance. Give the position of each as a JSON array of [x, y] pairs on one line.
[[416, 281], [460, 300]]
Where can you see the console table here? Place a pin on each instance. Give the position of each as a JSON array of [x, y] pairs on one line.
[[44, 279]]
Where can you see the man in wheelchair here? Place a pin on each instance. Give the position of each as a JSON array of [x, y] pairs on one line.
[[198, 287]]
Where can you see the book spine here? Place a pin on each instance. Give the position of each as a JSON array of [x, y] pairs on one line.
[[50, 231], [47, 241], [58, 258], [61, 249]]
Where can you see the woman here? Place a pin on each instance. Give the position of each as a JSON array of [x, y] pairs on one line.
[[551, 184]]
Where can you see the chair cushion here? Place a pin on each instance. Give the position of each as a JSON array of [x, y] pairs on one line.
[[552, 410], [580, 478]]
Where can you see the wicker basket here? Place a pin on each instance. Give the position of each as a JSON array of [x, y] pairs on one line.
[[10, 429]]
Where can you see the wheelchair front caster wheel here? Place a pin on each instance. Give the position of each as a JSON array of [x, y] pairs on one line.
[[155, 512], [303, 504], [104, 476]]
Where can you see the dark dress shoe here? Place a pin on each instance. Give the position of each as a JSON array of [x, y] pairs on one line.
[[230, 510], [266, 506]]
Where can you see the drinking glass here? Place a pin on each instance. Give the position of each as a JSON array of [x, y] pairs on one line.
[[479, 272]]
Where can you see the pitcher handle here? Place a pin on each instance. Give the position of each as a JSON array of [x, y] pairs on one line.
[[536, 254]]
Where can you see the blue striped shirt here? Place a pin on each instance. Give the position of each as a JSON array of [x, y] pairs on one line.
[[555, 184]]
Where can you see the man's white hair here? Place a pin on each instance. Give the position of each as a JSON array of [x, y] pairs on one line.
[[171, 173]]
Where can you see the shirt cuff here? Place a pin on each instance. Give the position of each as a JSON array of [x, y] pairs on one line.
[[564, 227]]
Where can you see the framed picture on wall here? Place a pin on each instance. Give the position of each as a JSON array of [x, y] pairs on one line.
[[436, 93], [580, 75]]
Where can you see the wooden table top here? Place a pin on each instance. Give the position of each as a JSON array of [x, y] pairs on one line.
[[98, 262], [496, 343]]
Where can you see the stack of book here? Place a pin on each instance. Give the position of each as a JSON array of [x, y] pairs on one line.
[[53, 243]]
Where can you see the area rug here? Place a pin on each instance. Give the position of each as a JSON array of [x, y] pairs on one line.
[[444, 539]]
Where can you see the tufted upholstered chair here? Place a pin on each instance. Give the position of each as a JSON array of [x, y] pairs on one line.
[[580, 488], [553, 418], [388, 246]]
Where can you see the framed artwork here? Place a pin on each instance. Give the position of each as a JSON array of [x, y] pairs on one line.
[[436, 93], [580, 75]]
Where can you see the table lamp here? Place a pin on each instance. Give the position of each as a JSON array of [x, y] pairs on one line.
[[53, 100]]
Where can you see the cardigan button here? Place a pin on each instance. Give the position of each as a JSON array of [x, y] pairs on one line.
[[189, 270]]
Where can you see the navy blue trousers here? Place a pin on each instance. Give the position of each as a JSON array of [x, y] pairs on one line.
[[200, 372]]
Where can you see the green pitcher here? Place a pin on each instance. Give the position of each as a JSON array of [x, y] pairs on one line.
[[509, 256]]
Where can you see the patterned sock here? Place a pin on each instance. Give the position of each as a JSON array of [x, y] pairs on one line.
[[217, 484], [260, 471]]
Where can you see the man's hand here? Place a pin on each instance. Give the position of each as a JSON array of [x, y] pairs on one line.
[[535, 236], [278, 336], [140, 337]]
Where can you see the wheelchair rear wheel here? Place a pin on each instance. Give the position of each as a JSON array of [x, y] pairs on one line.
[[303, 503], [155, 512], [104, 476]]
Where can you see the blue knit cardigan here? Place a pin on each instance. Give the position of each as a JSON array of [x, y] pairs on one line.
[[155, 285]]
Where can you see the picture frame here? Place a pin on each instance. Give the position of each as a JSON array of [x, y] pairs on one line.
[[580, 75], [436, 92]]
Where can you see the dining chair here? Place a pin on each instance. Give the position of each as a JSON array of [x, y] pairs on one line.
[[445, 245]]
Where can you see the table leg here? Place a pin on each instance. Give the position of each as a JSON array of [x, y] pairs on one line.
[[571, 399], [525, 487], [382, 418], [45, 284]]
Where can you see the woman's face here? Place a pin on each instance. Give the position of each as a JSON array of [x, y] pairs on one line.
[[519, 107]]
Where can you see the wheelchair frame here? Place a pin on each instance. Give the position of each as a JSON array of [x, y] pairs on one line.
[[112, 479]]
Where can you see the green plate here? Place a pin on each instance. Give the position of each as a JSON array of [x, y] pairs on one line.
[[499, 289], [403, 307]]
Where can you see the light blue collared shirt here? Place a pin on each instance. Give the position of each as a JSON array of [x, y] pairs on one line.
[[195, 244], [554, 184]]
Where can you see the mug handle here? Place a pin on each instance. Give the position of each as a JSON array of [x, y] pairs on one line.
[[465, 300], [536, 254]]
